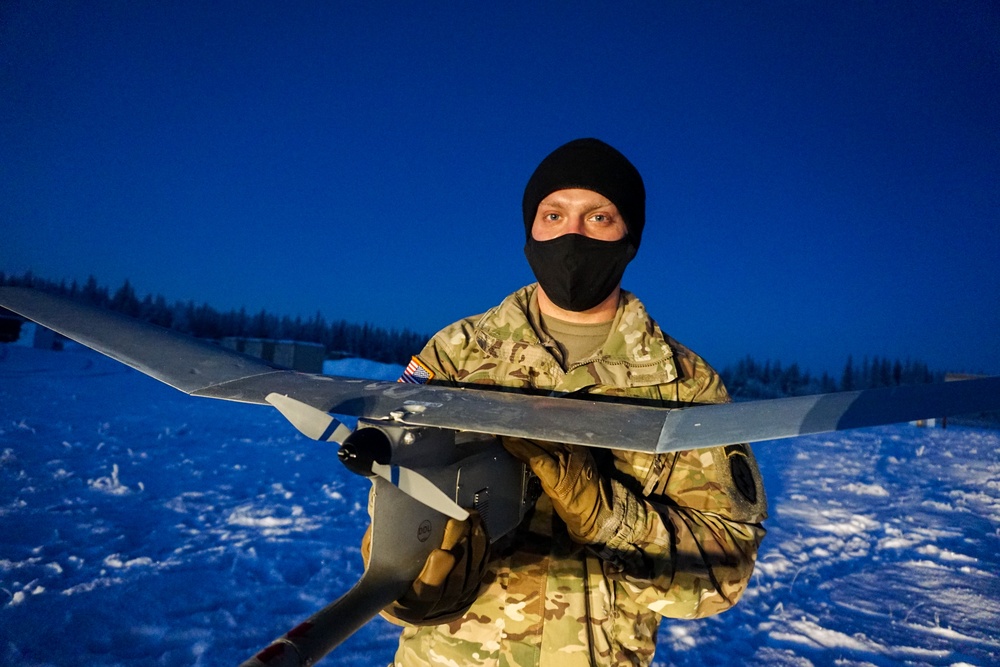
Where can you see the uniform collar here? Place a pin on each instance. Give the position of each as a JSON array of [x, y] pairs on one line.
[[635, 354]]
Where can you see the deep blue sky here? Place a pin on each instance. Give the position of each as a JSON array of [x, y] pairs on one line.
[[823, 177]]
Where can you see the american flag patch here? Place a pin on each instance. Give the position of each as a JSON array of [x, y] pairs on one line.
[[416, 373]]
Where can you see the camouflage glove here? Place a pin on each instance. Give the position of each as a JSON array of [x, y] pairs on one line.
[[581, 496], [450, 580]]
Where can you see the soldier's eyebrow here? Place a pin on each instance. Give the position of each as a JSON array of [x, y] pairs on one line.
[[599, 201]]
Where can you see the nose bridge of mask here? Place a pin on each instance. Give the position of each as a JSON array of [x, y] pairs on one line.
[[575, 259]]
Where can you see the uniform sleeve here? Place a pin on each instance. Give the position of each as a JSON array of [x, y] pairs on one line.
[[442, 354], [693, 519], [690, 542]]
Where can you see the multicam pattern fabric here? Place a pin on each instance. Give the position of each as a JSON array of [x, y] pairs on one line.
[[693, 518]]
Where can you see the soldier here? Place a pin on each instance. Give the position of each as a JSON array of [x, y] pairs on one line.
[[619, 539]]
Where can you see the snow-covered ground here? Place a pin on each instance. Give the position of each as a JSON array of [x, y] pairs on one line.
[[139, 526]]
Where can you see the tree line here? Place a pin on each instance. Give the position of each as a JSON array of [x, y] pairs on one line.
[[747, 379], [752, 379], [339, 337]]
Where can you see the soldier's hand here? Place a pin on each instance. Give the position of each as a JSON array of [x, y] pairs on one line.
[[580, 495], [450, 580]]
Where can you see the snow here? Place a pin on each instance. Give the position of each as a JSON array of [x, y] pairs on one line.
[[144, 527]]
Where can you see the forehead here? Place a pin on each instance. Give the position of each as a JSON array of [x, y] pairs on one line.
[[576, 197]]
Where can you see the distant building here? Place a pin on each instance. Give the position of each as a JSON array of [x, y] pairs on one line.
[[953, 377], [16, 329], [299, 356], [982, 419], [10, 326]]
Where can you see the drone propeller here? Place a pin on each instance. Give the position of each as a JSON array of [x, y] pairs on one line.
[[318, 425], [310, 422]]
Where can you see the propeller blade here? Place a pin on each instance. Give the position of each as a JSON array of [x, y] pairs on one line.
[[309, 421], [420, 489], [318, 425]]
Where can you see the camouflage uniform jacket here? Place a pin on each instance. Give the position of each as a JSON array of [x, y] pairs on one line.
[[694, 517]]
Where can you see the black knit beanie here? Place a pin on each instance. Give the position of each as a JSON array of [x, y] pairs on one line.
[[589, 164]]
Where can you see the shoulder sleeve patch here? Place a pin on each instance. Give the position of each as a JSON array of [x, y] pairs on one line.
[[743, 478], [416, 372], [742, 475]]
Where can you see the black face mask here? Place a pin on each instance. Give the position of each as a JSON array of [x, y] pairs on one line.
[[576, 271]]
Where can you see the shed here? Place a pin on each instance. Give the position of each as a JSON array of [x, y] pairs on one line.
[[297, 355]]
